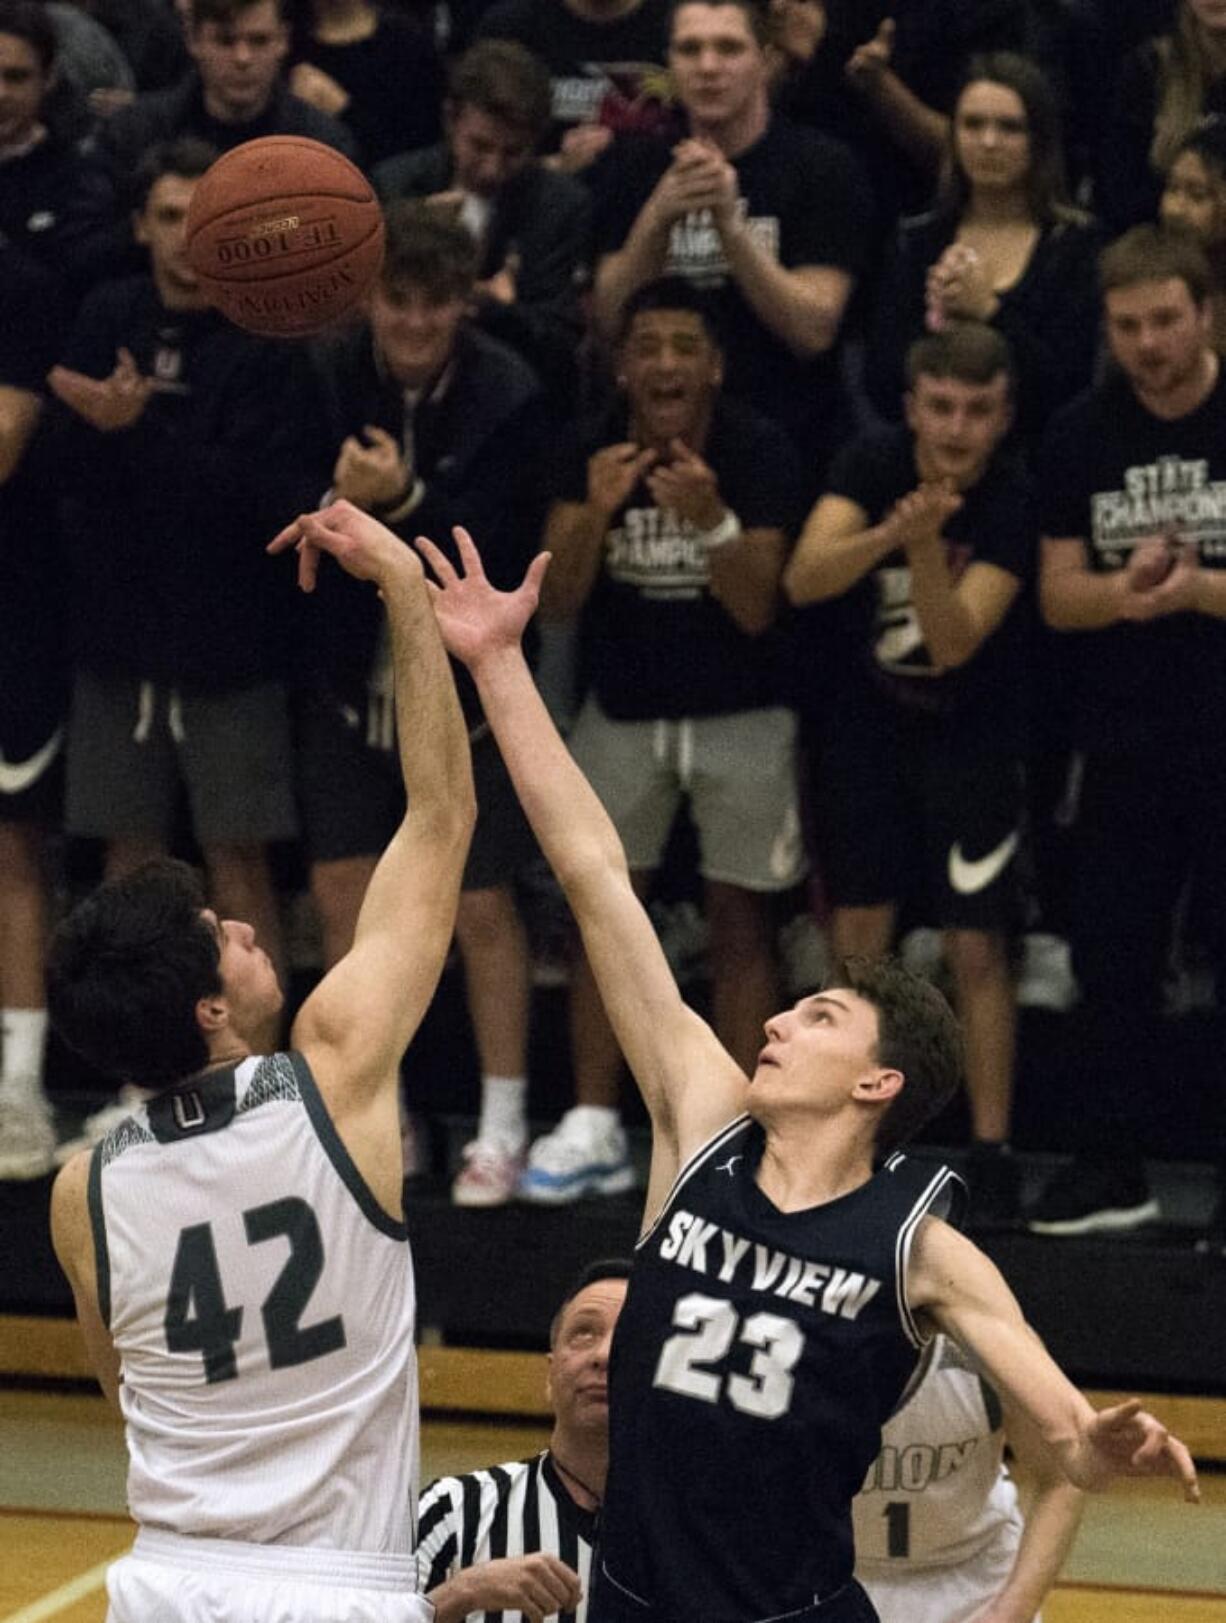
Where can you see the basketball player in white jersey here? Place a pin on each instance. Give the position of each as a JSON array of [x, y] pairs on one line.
[[237, 1247], [740, 1343], [940, 1534]]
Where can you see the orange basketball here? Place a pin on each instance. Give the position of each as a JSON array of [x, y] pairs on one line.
[[285, 235]]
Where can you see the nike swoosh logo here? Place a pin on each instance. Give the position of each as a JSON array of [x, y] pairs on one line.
[[18, 775], [968, 878]]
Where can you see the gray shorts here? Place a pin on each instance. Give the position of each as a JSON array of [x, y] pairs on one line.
[[133, 746], [737, 771]]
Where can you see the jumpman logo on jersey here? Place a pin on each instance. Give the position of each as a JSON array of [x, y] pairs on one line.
[[729, 1164]]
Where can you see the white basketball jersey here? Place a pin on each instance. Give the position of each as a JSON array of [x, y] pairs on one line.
[[262, 1305], [938, 1491]]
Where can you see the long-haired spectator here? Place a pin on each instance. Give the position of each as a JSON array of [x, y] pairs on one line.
[[1194, 199], [1001, 245], [1165, 87]]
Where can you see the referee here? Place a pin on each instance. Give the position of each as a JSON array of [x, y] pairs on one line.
[[513, 1544]]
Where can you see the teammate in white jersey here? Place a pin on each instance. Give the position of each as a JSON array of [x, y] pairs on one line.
[[940, 1534], [237, 1247]]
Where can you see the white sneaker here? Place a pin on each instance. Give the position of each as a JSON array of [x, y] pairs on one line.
[[27, 1140], [923, 952], [490, 1173], [95, 1128], [1045, 977], [804, 955], [586, 1154]]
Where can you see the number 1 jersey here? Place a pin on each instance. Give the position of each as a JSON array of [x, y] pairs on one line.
[[756, 1359], [262, 1305]]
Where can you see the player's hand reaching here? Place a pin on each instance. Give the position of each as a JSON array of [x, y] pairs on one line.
[[538, 1585], [474, 618], [362, 546], [1128, 1441], [108, 404]]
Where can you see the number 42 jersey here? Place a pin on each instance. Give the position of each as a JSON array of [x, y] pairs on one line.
[[262, 1305], [756, 1359]]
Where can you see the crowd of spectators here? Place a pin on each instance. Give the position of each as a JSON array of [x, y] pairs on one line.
[[856, 360]]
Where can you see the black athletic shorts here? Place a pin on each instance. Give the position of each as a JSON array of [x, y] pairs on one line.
[[610, 1604], [904, 814], [33, 718], [352, 797]]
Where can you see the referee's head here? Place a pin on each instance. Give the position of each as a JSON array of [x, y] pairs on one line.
[[579, 1341]]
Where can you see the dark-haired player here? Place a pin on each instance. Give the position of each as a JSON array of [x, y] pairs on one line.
[[782, 1288], [237, 1246], [515, 1540]]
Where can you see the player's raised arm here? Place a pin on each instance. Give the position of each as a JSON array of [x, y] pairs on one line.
[[962, 1292], [690, 1084], [358, 1021]]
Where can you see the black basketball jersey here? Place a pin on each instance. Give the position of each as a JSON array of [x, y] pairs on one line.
[[756, 1359]]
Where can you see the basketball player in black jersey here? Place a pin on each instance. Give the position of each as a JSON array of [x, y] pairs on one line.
[[781, 1288]]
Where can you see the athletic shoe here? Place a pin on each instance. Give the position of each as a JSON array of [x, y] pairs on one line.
[[922, 951], [804, 955], [586, 1154], [1045, 977], [27, 1140], [685, 939], [95, 1128], [490, 1174], [994, 1183], [1093, 1197]]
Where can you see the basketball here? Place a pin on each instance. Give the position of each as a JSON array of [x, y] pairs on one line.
[[285, 235]]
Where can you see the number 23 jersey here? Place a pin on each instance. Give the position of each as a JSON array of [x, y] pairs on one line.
[[262, 1305], [756, 1359]]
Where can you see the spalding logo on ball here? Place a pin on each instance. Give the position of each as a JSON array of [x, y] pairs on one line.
[[285, 236]]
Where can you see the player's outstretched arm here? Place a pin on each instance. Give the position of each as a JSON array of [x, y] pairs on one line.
[[962, 1292], [690, 1084], [358, 1021], [1053, 1515]]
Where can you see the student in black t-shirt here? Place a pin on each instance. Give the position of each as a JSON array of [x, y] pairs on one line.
[[42, 171], [669, 535], [921, 773], [606, 60], [1133, 481], [33, 701], [774, 218]]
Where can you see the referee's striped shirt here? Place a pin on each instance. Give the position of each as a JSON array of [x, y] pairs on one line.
[[507, 1510]]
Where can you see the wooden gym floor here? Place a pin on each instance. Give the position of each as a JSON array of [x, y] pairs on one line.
[[1142, 1557]]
